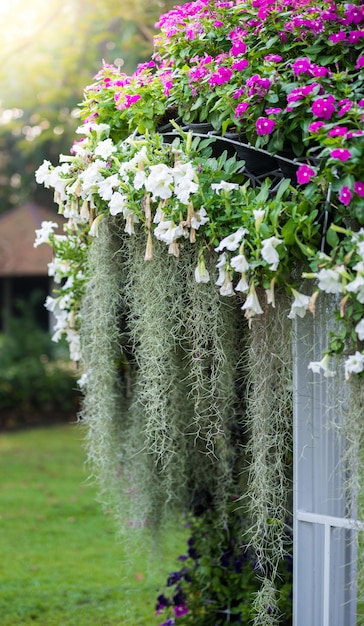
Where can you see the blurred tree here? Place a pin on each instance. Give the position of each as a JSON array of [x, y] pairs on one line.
[[49, 52]]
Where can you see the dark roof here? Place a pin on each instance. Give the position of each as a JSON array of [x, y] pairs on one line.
[[18, 257]]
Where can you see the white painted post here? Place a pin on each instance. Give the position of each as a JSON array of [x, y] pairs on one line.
[[324, 556]]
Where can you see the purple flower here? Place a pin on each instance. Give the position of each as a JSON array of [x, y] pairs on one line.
[[338, 131], [355, 35], [238, 47], [169, 622], [220, 77], [238, 93], [337, 37], [359, 188], [304, 174], [340, 153], [273, 110], [323, 107], [264, 126], [180, 610], [315, 127], [301, 66], [274, 58], [300, 92], [359, 63], [344, 108], [240, 109], [345, 195], [240, 65]]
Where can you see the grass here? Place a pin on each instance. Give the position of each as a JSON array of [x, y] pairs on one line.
[[61, 564]]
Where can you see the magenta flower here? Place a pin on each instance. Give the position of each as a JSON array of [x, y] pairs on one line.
[[238, 93], [338, 131], [355, 35], [180, 609], [274, 58], [238, 47], [323, 107], [300, 92], [240, 65], [273, 110], [337, 37], [344, 108], [264, 126], [359, 63], [220, 77], [301, 66], [240, 109], [345, 195], [304, 174], [315, 127], [359, 188], [340, 153]]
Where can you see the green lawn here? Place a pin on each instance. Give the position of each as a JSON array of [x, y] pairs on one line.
[[60, 561]]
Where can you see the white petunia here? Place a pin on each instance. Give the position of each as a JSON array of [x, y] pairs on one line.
[[317, 366], [227, 288], [269, 252], [354, 364], [221, 266], [167, 231], [242, 285], [107, 186], [118, 203], [224, 186], [329, 280], [258, 216], [239, 263], [74, 342], [184, 189], [91, 177], [105, 149], [87, 127], [139, 179], [42, 234], [43, 174], [201, 273], [251, 305], [232, 242], [199, 218], [359, 329], [94, 230], [58, 268], [299, 305], [159, 181]]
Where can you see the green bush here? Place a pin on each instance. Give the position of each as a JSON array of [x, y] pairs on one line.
[[37, 381]]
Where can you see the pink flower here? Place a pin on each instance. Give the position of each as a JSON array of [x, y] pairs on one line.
[[301, 66], [337, 37], [240, 65], [344, 108], [240, 109], [338, 131], [238, 47], [180, 609], [359, 63], [220, 77], [300, 92], [359, 188], [304, 174], [274, 58], [345, 195], [355, 35], [273, 110], [340, 153], [323, 107], [264, 125], [315, 127], [238, 93]]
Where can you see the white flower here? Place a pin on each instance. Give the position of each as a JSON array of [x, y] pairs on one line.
[[118, 203], [201, 273], [94, 230], [87, 127], [359, 329], [184, 189], [130, 220], [251, 305], [258, 216], [43, 174], [329, 280], [91, 177], [299, 305], [58, 268], [105, 149], [223, 185], [139, 179], [51, 304], [239, 263], [42, 233], [135, 164], [269, 252], [357, 285], [221, 266], [242, 285], [83, 380], [317, 366], [354, 364], [159, 181], [107, 186], [167, 231], [182, 172], [226, 288], [73, 339], [232, 242], [199, 219]]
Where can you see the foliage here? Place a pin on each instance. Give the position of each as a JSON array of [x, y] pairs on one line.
[[34, 376], [49, 508], [218, 577]]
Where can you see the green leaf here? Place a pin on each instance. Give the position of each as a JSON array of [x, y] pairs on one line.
[[332, 238]]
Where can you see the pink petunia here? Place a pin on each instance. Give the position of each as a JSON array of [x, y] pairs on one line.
[[345, 195], [304, 174], [359, 188], [264, 126], [340, 153], [323, 107]]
